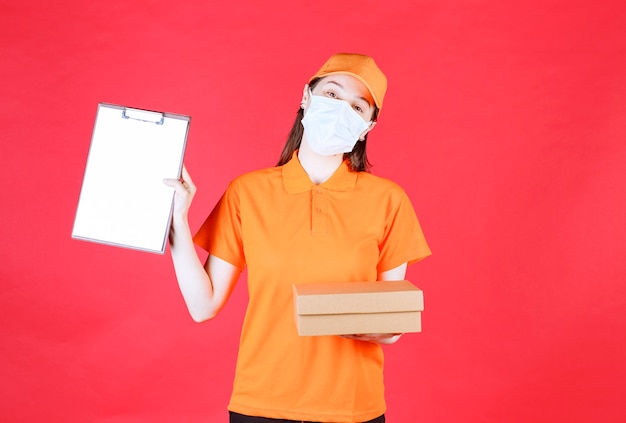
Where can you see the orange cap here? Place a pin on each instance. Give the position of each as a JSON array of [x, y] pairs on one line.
[[362, 68]]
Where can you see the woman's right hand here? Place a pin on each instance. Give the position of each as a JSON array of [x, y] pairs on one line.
[[185, 191]]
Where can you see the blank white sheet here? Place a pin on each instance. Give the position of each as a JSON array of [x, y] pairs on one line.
[[123, 200]]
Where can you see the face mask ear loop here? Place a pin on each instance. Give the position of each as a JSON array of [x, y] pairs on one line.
[[304, 102]]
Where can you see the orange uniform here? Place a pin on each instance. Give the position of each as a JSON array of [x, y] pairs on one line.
[[287, 230]]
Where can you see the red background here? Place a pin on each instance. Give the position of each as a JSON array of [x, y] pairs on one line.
[[504, 121]]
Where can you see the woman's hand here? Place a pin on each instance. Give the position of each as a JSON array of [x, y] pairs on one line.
[[185, 191], [377, 338]]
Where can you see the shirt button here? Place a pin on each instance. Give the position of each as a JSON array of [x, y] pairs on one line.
[[319, 191]]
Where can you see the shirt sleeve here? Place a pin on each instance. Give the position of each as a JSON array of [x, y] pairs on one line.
[[403, 240], [220, 234]]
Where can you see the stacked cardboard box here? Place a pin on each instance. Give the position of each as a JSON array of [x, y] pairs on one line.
[[349, 308]]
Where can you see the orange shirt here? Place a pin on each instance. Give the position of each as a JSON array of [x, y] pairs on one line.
[[287, 230]]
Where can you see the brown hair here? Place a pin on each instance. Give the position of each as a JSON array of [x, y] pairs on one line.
[[358, 156]]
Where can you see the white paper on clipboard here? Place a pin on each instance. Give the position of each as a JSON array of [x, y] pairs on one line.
[[123, 201]]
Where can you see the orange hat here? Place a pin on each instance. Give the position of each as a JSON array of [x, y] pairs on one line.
[[362, 68]]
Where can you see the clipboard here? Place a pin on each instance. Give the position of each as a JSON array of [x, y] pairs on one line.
[[123, 201]]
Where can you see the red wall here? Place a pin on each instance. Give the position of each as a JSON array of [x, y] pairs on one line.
[[504, 121]]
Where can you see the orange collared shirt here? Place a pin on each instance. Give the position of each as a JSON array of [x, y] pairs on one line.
[[287, 230]]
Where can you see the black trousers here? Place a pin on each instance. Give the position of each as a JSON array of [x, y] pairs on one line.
[[240, 418]]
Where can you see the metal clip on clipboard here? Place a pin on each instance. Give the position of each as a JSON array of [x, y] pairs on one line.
[[143, 115]]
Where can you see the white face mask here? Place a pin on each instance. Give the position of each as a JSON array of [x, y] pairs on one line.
[[331, 126]]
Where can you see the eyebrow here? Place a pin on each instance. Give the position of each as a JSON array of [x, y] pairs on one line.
[[342, 87]]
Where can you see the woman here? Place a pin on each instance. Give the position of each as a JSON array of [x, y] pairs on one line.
[[317, 216]]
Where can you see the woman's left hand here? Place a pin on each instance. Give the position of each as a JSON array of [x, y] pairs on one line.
[[377, 338]]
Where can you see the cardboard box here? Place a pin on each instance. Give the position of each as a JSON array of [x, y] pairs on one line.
[[349, 308]]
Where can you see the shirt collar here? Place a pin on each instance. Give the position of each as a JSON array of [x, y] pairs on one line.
[[297, 181]]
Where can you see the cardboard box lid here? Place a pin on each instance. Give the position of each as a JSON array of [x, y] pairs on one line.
[[357, 297]]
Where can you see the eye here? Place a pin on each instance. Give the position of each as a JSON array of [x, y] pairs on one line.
[[331, 94], [361, 109]]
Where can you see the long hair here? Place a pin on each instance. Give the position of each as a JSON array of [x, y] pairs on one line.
[[357, 157]]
